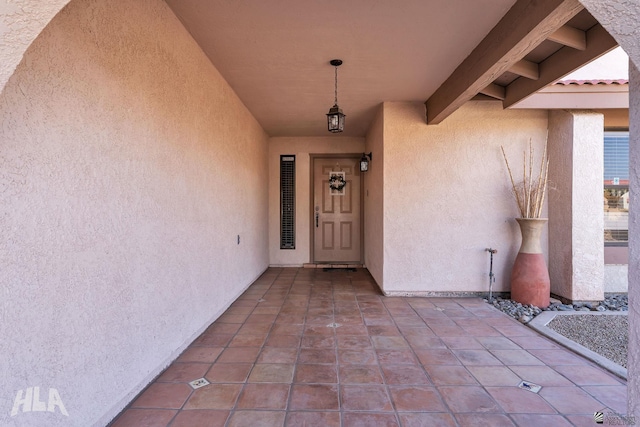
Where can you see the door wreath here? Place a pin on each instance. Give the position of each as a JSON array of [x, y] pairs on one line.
[[337, 182]]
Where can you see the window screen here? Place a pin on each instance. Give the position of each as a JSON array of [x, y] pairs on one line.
[[616, 188], [287, 202]]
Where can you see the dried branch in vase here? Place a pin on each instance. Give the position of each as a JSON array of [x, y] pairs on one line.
[[531, 191]]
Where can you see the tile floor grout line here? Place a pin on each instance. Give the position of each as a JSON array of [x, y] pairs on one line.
[[183, 404], [433, 384], [288, 408], [480, 384], [554, 370], [387, 386], [338, 364], [343, 292], [233, 409], [484, 387]]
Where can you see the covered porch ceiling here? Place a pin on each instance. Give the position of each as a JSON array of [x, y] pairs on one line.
[[275, 54]]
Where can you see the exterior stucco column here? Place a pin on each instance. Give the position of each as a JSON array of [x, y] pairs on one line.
[[576, 221], [620, 18], [633, 367]]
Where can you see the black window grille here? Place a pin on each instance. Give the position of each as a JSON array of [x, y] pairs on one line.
[[287, 202]]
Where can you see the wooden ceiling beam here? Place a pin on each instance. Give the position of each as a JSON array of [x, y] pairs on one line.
[[571, 37], [526, 69], [527, 24], [495, 91], [561, 63]]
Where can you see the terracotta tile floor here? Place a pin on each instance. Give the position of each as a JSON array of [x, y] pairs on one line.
[[307, 347]]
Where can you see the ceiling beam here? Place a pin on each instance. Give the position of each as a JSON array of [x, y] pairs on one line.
[[526, 69], [495, 91], [561, 63], [523, 27], [571, 37]]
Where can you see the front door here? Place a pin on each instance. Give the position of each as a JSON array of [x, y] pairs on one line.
[[336, 213]]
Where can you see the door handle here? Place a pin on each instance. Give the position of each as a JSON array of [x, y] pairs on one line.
[[317, 217]]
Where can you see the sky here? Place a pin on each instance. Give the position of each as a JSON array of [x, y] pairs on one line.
[[611, 66]]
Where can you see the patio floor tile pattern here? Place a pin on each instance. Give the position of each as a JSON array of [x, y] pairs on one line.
[[326, 348]]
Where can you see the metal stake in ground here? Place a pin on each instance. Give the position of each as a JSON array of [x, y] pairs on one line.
[[492, 277]]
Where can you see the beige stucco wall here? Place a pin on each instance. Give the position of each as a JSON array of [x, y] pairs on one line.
[[448, 197], [374, 200], [302, 148], [576, 221], [128, 167], [20, 23], [616, 278], [561, 150], [633, 389]]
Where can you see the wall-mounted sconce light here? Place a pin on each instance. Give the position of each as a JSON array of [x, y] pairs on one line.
[[335, 118], [364, 162]]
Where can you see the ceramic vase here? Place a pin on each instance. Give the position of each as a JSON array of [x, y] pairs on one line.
[[530, 276]]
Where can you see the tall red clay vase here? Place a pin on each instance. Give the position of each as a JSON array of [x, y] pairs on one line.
[[530, 276]]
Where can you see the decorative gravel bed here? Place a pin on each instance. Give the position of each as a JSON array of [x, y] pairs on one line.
[[606, 335], [524, 313]]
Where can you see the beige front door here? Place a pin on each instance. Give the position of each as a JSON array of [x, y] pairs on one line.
[[336, 214]]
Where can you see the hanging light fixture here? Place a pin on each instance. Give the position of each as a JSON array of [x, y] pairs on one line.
[[364, 162], [335, 118]]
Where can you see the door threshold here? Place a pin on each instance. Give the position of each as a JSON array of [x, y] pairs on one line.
[[326, 265]]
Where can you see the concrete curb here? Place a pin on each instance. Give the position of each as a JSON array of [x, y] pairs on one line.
[[540, 322]]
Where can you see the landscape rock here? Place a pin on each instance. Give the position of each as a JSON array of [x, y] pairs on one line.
[[526, 313], [525, 319]]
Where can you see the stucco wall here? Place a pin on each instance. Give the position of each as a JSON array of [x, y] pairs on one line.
[[561, 150], [374, 200], [616, 278], [616, 255], [633, 388], [448, 198], [20, 23], [301, 147], [576, 221], [128, 167], [620, 18]]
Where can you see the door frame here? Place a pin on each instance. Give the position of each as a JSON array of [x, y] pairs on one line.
[[312, 159]]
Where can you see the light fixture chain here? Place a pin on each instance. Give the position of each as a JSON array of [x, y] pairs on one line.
[[335, 117], [336, 87]]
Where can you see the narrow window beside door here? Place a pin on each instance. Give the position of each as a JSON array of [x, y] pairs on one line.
[[287, 202]]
